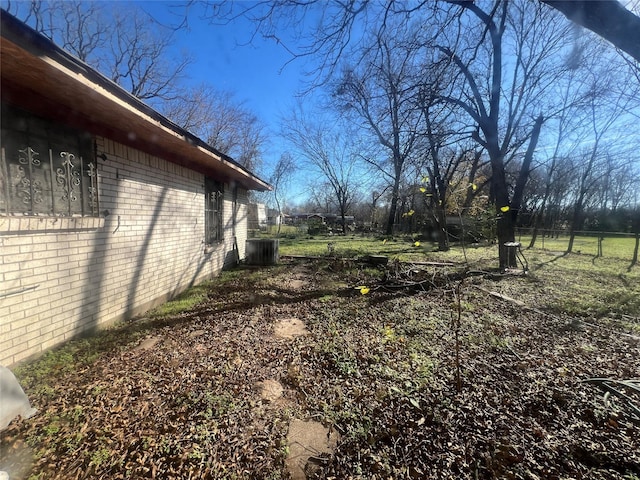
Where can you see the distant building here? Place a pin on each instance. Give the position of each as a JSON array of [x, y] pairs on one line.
[[329, 219], [257, 217]]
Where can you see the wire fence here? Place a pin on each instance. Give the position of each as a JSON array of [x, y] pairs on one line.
[[598, 244]]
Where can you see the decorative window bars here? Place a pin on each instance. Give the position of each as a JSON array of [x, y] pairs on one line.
[[45, 169], [213, 201]]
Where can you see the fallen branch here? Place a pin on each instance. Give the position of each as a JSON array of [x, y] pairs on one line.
[[531, 309], [513, 351], [367, 259], [506, 298]]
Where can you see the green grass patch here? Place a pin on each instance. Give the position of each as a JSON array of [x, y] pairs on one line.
[[183, 302], [612, 247], [42, 372], [581, 285], [355, 245], [286, 231], [577, 284]]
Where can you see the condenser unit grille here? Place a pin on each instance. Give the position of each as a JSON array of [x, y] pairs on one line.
[[262, 251]]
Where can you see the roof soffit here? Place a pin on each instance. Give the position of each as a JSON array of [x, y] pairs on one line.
[[41, 83]]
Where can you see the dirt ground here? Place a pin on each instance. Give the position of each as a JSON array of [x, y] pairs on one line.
[[429, 375]]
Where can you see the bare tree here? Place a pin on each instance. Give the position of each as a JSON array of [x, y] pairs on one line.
[[78, 28], [593, 164], [619, 180], [380, 94], [330, 153], [222, 120], [320, 198], [504, 56], [447, 153], [554, 168], [123, 43], [279, 179], [193, 109], [139, 56], [82, 30], [238, 132], [503, 98]]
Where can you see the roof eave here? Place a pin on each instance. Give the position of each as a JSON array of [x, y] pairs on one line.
[[39, 76]]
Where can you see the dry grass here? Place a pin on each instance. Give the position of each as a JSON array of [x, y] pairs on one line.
[[380, 368]]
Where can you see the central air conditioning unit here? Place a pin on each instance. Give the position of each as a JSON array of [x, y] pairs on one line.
[[262, 251]]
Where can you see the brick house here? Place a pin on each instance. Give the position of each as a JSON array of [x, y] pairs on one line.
[[107, 208]]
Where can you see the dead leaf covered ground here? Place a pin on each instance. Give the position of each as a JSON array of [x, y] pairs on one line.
[[182, 396]]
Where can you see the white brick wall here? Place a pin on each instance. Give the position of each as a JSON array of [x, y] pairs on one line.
[[62, 277]]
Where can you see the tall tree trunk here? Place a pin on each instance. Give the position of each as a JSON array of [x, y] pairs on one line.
[[571, 239], [439, 192], [472, 192], [540, 215], [575, 221], [279, 217], [578, 212], [392, 215], [534, 235], [636, 227], [393, 207], [536, 225], [506, 234], [505, 228], [443, 235]]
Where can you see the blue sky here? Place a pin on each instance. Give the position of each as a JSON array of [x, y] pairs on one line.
[[223, 58], [257, 72]]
